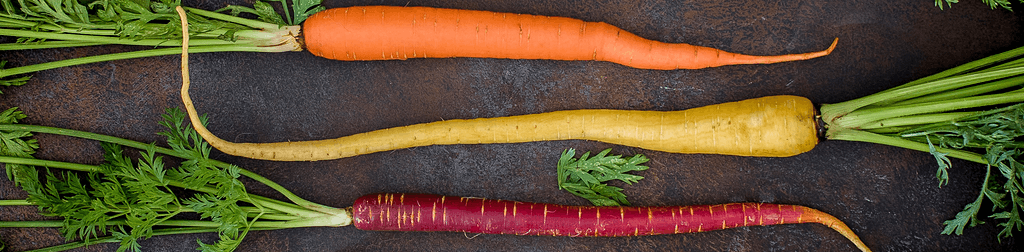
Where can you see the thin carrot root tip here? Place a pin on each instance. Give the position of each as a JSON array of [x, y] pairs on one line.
[[834, 223], [832, 47]]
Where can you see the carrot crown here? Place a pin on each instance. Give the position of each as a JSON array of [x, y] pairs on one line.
[[972, 112]]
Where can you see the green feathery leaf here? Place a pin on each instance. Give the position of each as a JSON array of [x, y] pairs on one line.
[[305, 8], [263, 11], [996, 132], [944, 163], [993, 4], [586, 177], [129, 198], [15, 81], [16, 143]]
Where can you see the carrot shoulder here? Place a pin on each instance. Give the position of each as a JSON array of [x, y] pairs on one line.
[[422, 212], [391, 32]]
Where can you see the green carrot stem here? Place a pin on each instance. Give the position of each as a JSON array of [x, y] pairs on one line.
[[37, 24], [21, 24], [108, 40], [255, 199], [1014, 63], [310, 222], [285, 207], [860, 118], [973, 65], [256, 37], [88, 135], [49, 163], [45, 45], [967, 91], [13, 22], [278, 217], [863, 136], [831, 112], [31, 224], [49, 44], [891, 130], [287, 13], [233, 19], [99, 30], [137, 54], [81, 168], [94, 35], [250, 211], [166, 151], [915, 120], [263, 213], [322, 221], [79, 244], [12, 202], [924, 139]]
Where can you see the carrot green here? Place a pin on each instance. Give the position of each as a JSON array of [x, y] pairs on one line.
[[587, 176], [40, 24], [972, 112], [1005, 4], [124, 200]]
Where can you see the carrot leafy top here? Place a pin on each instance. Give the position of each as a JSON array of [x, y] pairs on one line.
[[39, 24], [123, 200], [1005, 4], [586, 177], [296, 13], [973, 112]]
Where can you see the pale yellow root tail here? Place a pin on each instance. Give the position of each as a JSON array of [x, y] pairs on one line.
[[193, 116]]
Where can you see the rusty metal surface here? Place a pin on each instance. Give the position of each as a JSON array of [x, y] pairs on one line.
[[886, 195]]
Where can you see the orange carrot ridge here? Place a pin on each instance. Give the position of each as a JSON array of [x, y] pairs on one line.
[[392, 32]]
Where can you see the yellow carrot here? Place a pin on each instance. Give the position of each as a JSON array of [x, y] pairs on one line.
[[775, 126]]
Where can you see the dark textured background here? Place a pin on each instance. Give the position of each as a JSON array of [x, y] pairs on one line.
[[886, 195]]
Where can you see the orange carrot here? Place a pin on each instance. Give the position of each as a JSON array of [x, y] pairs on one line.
[[391, 32]]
